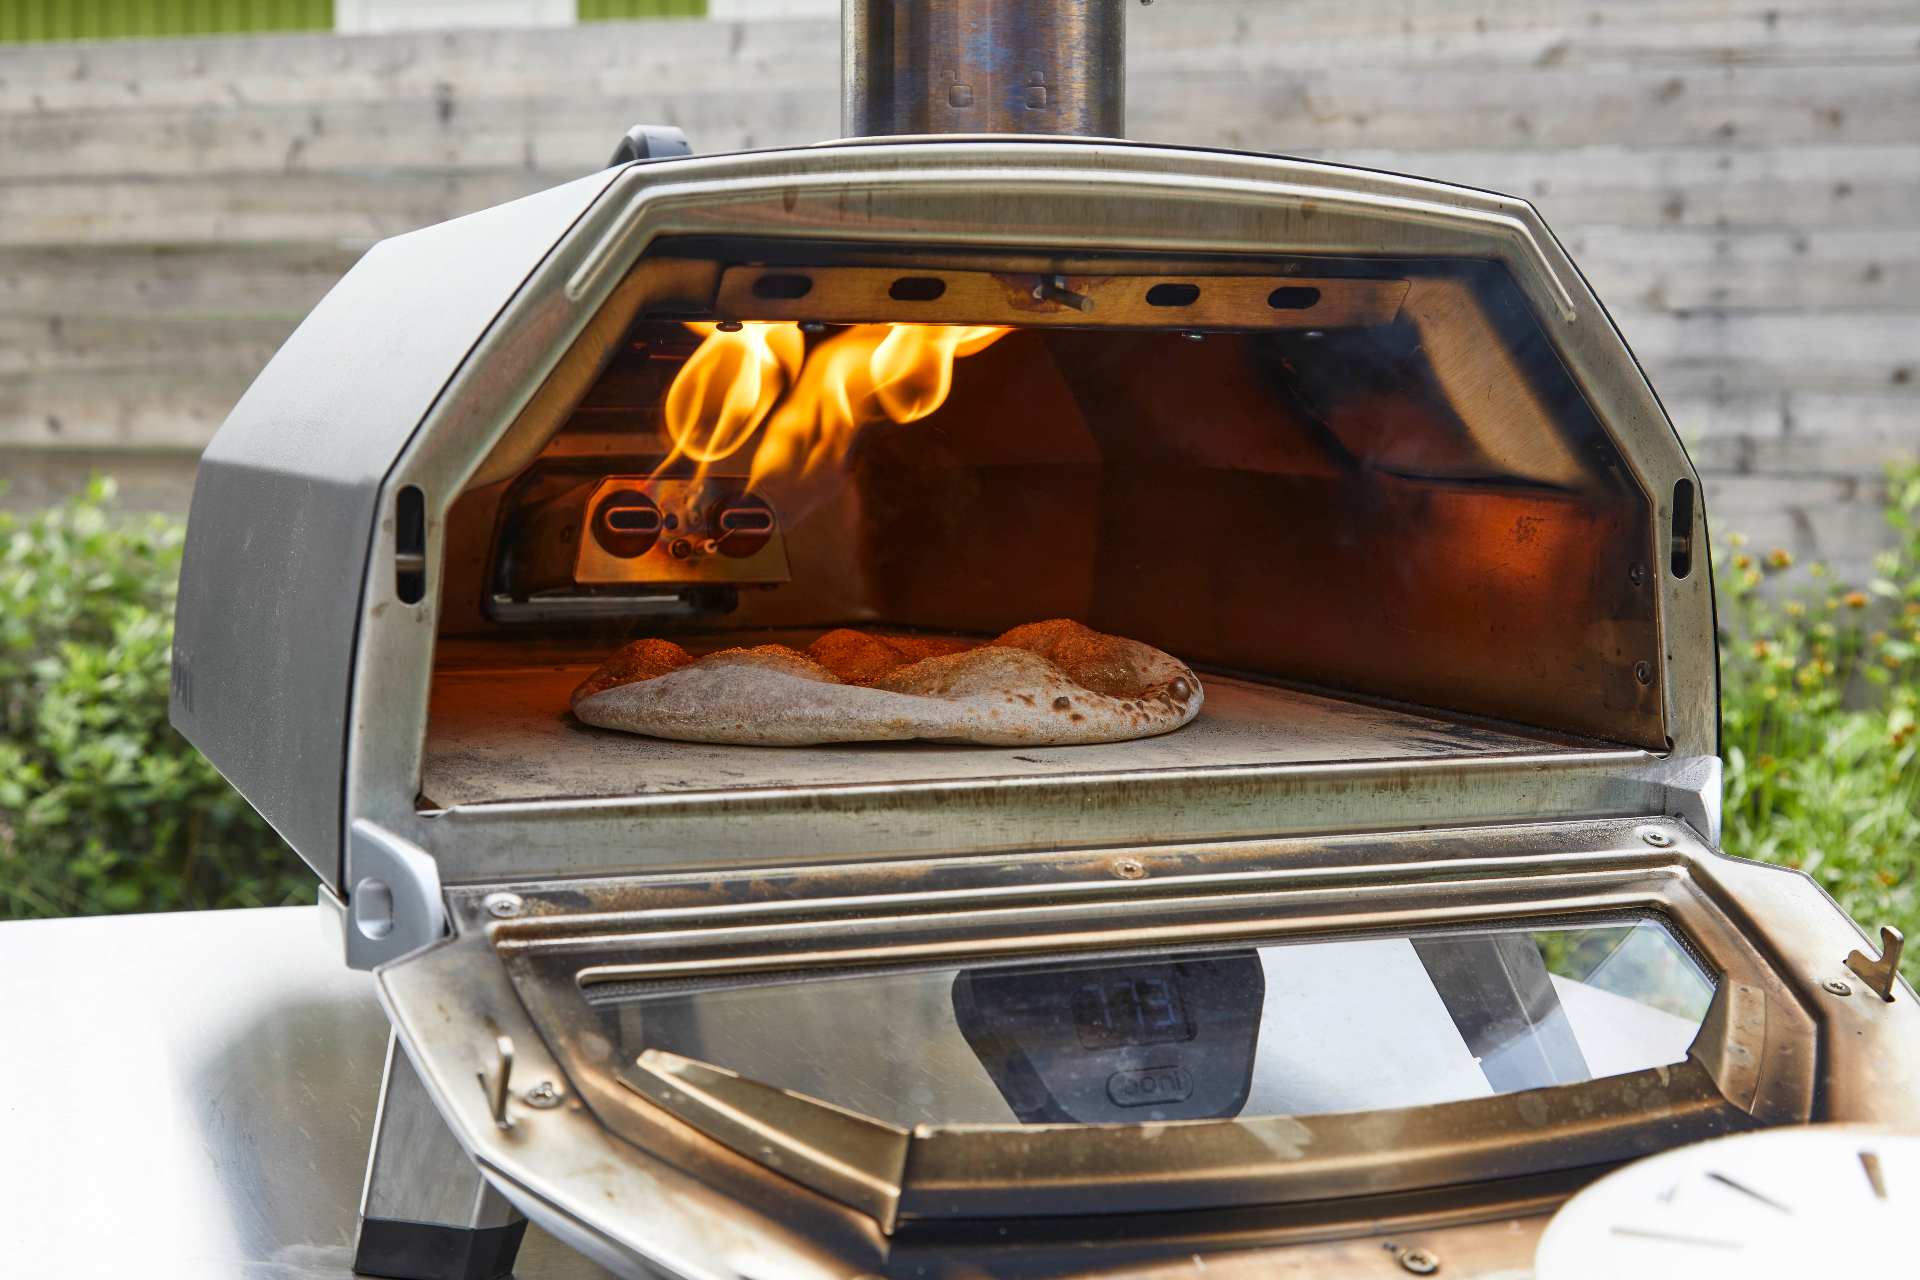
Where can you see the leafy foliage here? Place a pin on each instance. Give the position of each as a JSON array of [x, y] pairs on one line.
[[103, 807], [1820, 690]]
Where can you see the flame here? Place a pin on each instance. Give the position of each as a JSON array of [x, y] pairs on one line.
[[812, 408], [912, 368], [728, 386], [869, 373]]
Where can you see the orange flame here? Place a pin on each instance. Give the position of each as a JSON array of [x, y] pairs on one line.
[[727, 387], [870, 373], [734, 383]]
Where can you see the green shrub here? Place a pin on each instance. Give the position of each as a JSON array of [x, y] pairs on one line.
[[103, 807], [1820, 689]]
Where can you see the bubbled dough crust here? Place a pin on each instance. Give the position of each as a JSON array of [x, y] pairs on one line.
[[1051, 683]]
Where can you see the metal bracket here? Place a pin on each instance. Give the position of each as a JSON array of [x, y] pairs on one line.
[[1691, 790], [393, 897], [1880, 975], [498, 1089], [650, 142]]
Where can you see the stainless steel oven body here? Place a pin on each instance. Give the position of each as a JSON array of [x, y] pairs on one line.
[[325, 568]]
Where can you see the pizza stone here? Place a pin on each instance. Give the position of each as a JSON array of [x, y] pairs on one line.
[[1046, 684]]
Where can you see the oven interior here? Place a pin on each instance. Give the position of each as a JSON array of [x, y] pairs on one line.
[[1362, 497]]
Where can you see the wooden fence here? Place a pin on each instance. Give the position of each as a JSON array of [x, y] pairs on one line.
[[1739, 178]]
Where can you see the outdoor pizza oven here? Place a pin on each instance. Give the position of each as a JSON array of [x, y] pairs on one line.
[[1419, 924]]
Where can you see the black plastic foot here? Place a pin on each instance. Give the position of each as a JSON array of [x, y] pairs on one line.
[[434, 1251]]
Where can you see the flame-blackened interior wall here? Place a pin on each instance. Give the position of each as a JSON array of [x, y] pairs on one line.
[[1423, 511]]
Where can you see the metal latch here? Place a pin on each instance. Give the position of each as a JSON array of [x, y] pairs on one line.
[[1881, 974], [393, 897]]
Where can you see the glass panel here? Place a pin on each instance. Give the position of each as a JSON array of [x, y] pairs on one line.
[[1288, 1029]]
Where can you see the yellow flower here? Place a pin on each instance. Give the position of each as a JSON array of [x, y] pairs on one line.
[[1738, 539], [1855, 599], [1817, 569], [1743, 561], [1750, 578], [1761, 648], [1795, 609], [1780, 558]]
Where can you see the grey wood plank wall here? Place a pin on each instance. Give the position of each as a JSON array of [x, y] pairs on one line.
[[1739, 178]]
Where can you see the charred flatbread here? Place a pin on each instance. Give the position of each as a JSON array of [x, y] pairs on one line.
[[1051, 683]]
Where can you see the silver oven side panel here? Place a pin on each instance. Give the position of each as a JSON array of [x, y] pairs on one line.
[[286, 501]]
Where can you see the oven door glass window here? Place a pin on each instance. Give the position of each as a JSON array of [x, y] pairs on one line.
[[1298, 1028]]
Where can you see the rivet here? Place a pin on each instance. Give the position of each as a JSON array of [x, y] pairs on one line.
[[1129, 868], [729, 326], [1637, 575], [1657, 838], [1643, 672], [503, 906], [1422, 1262], [1835, 987]]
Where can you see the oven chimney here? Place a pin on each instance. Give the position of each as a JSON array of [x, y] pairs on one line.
[[982, 66]]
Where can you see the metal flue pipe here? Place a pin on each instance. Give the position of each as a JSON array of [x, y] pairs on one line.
[[983, 66]]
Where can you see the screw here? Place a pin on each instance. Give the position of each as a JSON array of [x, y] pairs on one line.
[[1422, 1262], [1643, 672], [1129, 868], [1637, 575], [729, 326], [504, 906], [1658, 839], [1835, 987], [543, 1095]]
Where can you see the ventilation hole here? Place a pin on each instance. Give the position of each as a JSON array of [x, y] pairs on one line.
[[627, 523], [634, 520], [1293, 297], [745, 520], [410, 545], [1682, 540], [1173, 295], [782, 288], [917, 289]]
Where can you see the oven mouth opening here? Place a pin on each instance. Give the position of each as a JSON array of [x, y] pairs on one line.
[[1360, 497]]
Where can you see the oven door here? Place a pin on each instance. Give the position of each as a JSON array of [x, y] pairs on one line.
[[935, 1065]]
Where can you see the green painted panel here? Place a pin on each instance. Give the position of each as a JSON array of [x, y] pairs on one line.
[[22, 21], [623, 10]]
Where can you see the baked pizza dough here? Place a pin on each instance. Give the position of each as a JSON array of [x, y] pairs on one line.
[[1045, 684]]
